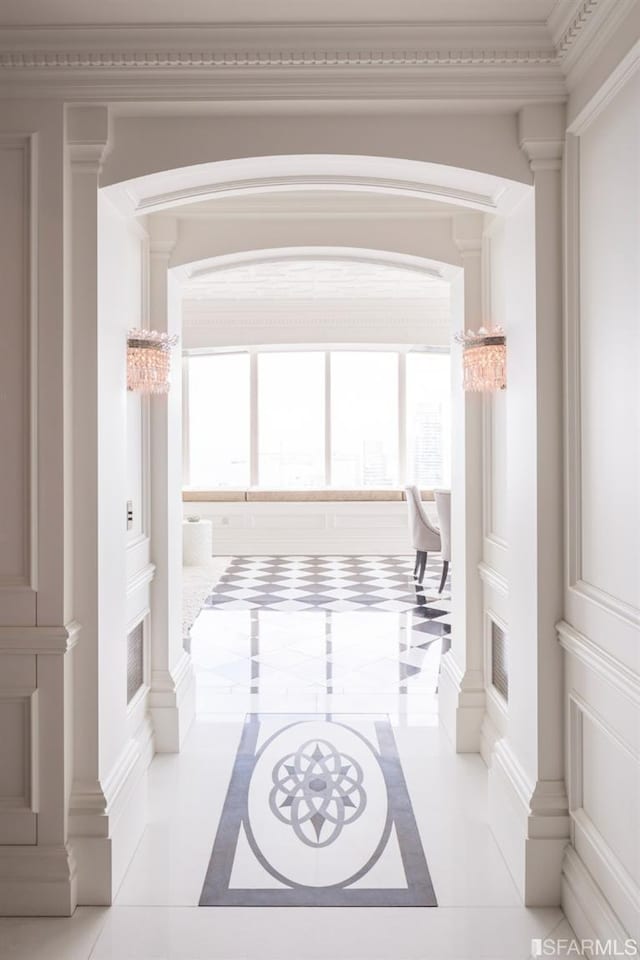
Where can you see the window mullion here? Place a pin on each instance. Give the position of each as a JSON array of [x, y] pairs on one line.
[[327, 419], [186, 424], [254, 474], [402, 419]]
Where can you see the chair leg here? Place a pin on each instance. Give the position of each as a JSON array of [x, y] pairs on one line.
[[417, 564], [445, 570], [423, 565]]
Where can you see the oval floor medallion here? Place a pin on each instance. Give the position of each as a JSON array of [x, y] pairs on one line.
[[317, 804]]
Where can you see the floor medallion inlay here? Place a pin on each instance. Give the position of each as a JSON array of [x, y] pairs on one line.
[[317, 814]]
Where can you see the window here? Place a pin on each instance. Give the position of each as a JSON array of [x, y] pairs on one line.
[[218, 421], [429, 419], [291, 420], [364, 419], [350, 419]]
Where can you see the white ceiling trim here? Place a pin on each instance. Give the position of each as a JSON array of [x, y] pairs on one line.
[[423, 191], [263, 45], [479, 60], [172, 189]]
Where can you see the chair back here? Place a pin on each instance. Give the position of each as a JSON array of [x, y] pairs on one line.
[[423, 535], [443, 506]]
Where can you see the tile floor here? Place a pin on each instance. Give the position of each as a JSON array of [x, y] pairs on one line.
[[322, 625], [156, 917], [260, 661]]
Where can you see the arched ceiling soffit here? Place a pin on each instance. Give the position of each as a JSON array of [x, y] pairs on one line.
[[175, 188], [297, 271], [206, 240]]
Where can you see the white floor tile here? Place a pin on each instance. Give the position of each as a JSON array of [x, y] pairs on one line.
[[52, 938], [255, 933]]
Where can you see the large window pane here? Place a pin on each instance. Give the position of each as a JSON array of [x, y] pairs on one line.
[[291, 420], [219, 421], [429, 419], [364, 419]]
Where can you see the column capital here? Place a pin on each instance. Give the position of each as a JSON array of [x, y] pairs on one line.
[[467, 229], [541, 134], [163, 235], [88, 136]]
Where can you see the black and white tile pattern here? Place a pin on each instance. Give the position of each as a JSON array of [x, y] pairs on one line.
[[340, 584], [317, 814], [323, 624]]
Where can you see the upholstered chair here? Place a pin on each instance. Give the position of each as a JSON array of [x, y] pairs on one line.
[[424, 535], [443, 506]]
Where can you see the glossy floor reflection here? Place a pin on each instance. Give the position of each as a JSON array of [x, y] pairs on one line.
[[357, 627], [156, 916]]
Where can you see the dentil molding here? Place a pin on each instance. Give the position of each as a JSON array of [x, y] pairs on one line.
[[294, 44]]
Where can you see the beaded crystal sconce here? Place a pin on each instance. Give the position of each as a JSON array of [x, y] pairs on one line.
[[484, 359], [149, 360]]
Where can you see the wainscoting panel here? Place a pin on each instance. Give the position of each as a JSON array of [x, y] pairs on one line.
[[18, 518], [315, 527]]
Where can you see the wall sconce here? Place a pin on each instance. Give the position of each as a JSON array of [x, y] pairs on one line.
[[149, 360], [484, 359]]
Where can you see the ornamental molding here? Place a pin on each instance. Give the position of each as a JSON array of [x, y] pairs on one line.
[[567, 22], [261, 45], [223, 60], [504, 60], [580, 28], [274, 45]]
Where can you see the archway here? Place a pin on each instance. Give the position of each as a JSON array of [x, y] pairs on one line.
[[463, 689]]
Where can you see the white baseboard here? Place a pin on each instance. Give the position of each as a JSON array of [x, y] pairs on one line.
[[531, 825], [489, 736], [37, 881], [173, 705], [107, 821], [584, 904], [462, 705]]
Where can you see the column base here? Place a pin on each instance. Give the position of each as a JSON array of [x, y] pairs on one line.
[[461, 699], [531, 825], [173, 705], [37, 881], [106, 821]]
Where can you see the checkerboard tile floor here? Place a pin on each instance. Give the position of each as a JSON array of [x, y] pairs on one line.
[[325, 624]]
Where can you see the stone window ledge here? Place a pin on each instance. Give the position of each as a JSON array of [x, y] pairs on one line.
[[297, 496]]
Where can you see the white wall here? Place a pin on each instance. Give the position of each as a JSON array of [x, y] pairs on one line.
[[600, 634], [124, 570], [307, 528], [216, 323], [526, 792], [36, 628]]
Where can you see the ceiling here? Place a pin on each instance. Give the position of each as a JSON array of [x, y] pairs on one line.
[[139, 12], [309, 279]]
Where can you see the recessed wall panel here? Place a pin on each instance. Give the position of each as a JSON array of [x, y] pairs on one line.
[[611, 794], [15, 385], [609, 348]]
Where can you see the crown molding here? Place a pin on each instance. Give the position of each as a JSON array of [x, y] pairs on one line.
[[287, 61], [579, 30], [475, 60]]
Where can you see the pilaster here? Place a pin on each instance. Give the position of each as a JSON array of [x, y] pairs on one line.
[[527, 795], [462, 696], [88, 139], [172, 697]]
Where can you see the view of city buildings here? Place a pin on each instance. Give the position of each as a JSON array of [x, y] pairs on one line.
[[295, 445]]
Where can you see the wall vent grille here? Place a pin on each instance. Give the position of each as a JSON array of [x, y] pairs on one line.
[[135, 661], [499, 671]]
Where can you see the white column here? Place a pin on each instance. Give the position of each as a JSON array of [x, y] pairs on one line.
[[462, 696], [528, 804], [172, 697], [87, 140]]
